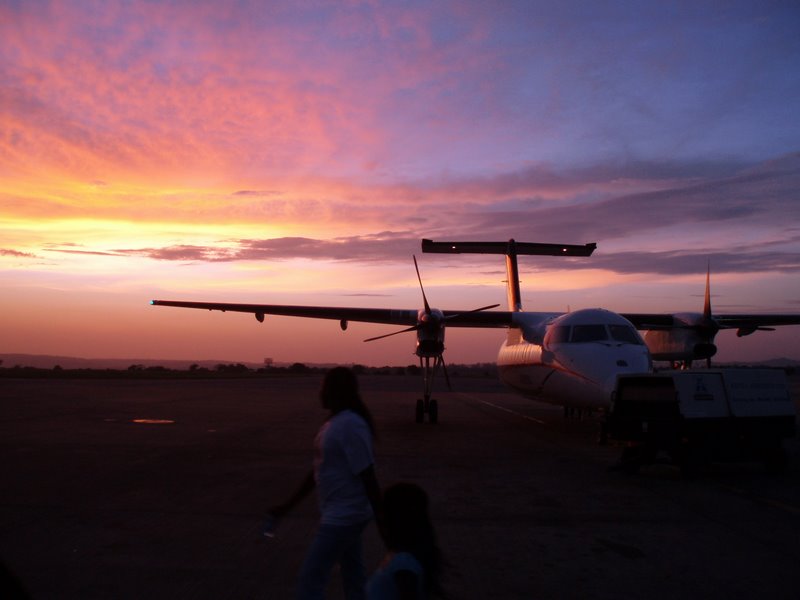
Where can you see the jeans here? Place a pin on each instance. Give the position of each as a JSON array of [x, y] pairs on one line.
[[334, 544]]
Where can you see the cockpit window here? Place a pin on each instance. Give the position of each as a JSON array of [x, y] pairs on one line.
[[576, 334], [559, 335], [624, 333], [589, 333]]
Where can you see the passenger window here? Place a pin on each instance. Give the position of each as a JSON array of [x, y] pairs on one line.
[[624, 333], [589, 333]]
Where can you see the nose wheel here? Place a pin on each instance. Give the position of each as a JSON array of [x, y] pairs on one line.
[[427, 406]]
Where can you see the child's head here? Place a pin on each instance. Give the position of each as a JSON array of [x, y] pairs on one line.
[[405, 513], [407, 528]]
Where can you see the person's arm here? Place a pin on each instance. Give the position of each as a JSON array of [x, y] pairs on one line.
[[303, 490], [373, 492]]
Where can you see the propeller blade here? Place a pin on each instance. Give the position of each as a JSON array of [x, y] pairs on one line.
[[424, 299], [471, 311], [380, 337], [427, 312]]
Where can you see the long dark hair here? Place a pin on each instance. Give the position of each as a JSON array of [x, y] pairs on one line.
[[340, 392], [408, 528]]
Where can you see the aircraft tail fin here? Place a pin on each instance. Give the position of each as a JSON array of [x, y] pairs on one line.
[[511, 249]]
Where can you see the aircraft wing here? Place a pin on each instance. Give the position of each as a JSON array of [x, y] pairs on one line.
[[755, 321], [484, 318], [644, 321], [344, 314]]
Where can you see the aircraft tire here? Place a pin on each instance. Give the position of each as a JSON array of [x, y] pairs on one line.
[[433, 412], [420, 411]]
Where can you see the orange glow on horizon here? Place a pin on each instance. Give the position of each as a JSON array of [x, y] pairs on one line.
[[247, 152]]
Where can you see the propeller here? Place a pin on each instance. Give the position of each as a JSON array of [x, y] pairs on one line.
[[430, 328], [430, 314], [705, 326]]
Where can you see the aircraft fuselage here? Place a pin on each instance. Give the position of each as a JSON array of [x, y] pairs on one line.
[[573, 359]]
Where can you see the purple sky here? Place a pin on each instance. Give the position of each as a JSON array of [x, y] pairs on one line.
[[297, 152]]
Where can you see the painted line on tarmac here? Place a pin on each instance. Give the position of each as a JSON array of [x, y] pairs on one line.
[[508, 410], [782, 505], [763, 499]]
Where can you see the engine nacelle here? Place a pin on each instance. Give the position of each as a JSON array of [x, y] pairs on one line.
[[430, 334], [679, 345]]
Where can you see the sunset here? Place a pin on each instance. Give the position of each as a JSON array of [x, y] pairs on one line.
[[290, 153], [403, 298]]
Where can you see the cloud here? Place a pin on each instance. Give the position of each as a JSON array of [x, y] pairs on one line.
[[687, 262], [86, 252], [175, 91], [451, 120], [741, 222], [764, 196], [380, 247], [256, 193], [16, 253]]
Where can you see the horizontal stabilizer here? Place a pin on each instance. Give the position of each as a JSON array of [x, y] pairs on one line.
[[509, 248]]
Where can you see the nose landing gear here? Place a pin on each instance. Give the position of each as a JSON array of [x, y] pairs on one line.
[[427, 406]]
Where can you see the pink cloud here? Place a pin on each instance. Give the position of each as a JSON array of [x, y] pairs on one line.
[[181, 90]]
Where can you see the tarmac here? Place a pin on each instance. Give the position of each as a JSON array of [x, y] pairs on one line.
[[159, 489]]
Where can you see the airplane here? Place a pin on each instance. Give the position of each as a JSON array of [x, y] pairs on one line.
[[569, 359], [681, 338]]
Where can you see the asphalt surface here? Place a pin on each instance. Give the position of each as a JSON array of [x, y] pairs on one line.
[[158, 489]]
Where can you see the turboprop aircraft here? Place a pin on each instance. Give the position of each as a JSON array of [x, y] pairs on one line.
[[569, 359], [681, 338]]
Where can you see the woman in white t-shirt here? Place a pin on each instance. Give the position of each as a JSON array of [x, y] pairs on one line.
[[347, 488], [413, 565]]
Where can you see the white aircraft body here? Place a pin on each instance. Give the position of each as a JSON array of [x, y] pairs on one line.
[[569, 359]]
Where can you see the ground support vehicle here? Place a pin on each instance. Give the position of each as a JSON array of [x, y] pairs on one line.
[[703, 415]]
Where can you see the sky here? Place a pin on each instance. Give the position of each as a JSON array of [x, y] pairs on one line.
[[297, 153]]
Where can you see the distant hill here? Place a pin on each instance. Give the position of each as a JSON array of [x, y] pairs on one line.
[[41, 361], [777, 363]]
